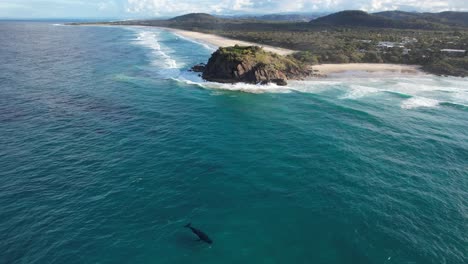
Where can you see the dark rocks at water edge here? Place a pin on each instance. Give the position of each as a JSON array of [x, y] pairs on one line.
[[252, 64], [198, 68]]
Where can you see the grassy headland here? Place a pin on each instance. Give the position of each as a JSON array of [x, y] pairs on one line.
[[252, 64]]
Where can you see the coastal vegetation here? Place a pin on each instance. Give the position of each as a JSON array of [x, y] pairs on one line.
[[436, 41], [251, 64]]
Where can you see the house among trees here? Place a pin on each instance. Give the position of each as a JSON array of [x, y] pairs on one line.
[[454, 52], [389, 45]]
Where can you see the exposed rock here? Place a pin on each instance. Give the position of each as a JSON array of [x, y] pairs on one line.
[[252, 65], [199, 67]]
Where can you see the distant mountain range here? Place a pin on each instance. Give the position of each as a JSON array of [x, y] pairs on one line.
[[298, 22], [199, 17], [293, 17], [349, 18], [196, 18], [394, 19], [445, 18]]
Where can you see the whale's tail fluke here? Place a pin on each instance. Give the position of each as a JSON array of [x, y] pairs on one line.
[[188, 225]]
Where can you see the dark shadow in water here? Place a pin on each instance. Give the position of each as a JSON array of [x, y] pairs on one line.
[[188, 241]]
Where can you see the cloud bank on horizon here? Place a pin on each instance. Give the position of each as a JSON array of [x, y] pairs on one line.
[[275, 6], [141, 8]]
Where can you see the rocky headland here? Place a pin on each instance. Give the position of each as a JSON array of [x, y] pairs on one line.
[[251, 64]]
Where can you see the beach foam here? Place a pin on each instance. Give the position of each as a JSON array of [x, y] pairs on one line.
[[411, 92], [205, 45], [193, 79], [358, 91], [416, 102], [149, 39], [408, 91]]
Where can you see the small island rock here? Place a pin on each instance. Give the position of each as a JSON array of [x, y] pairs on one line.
[[252, 64]]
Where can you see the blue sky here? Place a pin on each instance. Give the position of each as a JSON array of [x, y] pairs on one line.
[[156, 8]]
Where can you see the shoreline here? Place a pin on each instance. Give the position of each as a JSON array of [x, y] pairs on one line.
[[324, 70], [218, 41], [319, 70]]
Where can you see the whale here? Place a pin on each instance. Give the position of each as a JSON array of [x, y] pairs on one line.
[[201, 235]]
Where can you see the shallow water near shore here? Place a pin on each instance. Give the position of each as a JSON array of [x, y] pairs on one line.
[[109, 146]]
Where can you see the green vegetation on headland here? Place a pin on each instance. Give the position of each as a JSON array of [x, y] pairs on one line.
[[436, 41], [251, 64]]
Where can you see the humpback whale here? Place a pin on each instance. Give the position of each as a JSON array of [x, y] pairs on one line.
[[202, 236]]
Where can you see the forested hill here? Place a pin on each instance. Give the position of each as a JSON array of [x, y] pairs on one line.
[[196, 18], [350, 18], [445, 18], [393, 19], [207, 22]]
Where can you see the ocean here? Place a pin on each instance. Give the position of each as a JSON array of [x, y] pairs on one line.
[[109, 146]]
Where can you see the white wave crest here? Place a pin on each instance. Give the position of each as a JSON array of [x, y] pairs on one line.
[[205, 45], [417, 102], [150, 40], [194, 79], [461, 96], [416, 91], [248, 88], [358, 91]]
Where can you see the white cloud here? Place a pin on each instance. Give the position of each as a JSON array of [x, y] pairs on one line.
[[424, 5], [106, 5], [241, 4], [171, 7], [138, 8], [164, 7], [61, 8]]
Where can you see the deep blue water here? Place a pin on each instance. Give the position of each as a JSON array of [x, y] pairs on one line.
[[108, 147]]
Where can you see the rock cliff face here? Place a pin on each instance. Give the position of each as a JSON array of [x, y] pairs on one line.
[[252, 65]]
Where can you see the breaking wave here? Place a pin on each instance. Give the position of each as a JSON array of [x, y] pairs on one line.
[[416, 102], [193, 79], [406, 91], [205, 45], [358, 91], [161, 58]]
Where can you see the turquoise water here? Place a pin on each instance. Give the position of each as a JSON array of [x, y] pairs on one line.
[[109, 147]]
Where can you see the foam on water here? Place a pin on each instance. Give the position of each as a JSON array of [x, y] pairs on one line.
[[414, 91], [150, 39], [194, 79], [422, 91], [358, 91], [249, 88], [205, 45], [416, 102]]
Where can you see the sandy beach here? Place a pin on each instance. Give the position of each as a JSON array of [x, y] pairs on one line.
[[319, 70], [219, 41], [322, 69], [327, 69]]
